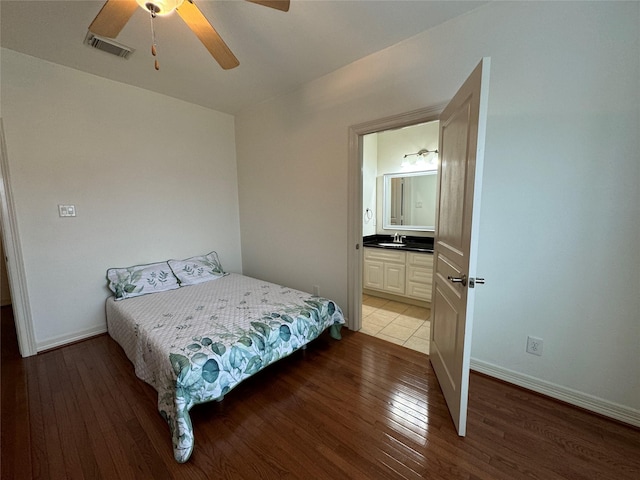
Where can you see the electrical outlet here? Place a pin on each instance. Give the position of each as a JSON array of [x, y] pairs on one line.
[[534, 345], [67, 210], [316, 290]]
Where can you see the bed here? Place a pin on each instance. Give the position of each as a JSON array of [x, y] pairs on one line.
[[193, 341]]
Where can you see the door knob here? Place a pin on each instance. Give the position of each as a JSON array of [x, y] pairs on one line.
[[462, 280]]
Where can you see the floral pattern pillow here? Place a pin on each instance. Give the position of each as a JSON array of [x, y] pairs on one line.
[[141, 279], [197, 269]]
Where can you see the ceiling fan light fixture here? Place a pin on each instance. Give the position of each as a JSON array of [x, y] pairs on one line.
[[159, 7], [114, 15]]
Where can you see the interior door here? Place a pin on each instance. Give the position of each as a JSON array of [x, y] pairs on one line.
[[462, 132]]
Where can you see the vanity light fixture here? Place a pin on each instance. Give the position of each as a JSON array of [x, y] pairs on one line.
[[422, 157], [421, 153]]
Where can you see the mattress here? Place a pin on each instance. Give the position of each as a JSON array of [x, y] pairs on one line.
[[196, 343]]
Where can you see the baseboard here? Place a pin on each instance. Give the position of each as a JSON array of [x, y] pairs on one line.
[[397, 298], [583, 400], [62, 340]]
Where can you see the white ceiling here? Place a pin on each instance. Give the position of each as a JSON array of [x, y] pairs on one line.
[[277, 51]]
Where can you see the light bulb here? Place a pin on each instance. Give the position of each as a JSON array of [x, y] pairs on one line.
[[159, 7]]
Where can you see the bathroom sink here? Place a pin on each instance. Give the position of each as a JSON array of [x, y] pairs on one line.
[[391, 244]]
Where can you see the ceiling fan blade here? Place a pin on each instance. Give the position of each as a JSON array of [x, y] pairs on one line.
[[197, 22], [282, 5], [112, 18]]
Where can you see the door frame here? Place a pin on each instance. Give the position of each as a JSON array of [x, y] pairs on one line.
[[15, 263], [354, 189]]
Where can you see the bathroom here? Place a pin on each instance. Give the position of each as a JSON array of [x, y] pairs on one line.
[[399, 208]]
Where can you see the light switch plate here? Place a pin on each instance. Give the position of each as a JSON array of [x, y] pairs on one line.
[[67, 210]]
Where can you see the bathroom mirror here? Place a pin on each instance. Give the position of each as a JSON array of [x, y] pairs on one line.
[[410, 201]]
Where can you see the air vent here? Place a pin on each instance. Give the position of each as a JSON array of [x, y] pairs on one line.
[[108, 45]]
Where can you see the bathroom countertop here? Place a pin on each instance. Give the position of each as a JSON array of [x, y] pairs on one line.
[[409, 244]]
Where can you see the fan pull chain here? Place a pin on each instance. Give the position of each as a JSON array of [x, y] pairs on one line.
[[154, 45]]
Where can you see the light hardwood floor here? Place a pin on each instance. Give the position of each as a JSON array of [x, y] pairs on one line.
[[396, 322], [358, 408]]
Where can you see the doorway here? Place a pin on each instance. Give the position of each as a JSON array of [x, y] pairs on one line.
[[13, 257], [5, 293], [399, 181], [358, 211], [461, 143]]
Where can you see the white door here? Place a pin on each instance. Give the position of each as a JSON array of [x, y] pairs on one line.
[[462, 131]]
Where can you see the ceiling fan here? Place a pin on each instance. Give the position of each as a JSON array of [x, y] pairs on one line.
[[115, 14]]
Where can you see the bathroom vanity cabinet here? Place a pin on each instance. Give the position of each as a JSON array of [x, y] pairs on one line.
[[398, 272]]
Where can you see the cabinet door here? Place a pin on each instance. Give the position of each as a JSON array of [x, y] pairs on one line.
[[394, 278], [419, 276], [373, 274], [419, 291]]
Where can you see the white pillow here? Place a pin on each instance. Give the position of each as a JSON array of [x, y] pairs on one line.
[[197, 269], [139, 280]]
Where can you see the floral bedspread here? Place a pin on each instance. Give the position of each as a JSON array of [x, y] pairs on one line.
[[196, 343]]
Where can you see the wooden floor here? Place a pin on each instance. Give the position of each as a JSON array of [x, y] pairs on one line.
[[357, 408]]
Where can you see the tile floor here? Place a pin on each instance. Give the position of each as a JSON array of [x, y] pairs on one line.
[[396, 322]]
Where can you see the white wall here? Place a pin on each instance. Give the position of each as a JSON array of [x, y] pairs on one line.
[[151, 177], [560, 204], [393, 145]]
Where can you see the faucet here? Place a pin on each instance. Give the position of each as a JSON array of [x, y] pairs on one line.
[[397, 238]]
